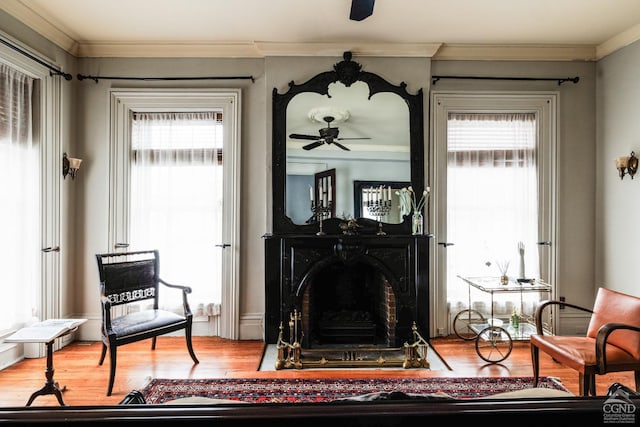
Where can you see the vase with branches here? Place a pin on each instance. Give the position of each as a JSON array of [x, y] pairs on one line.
[[410, 203]]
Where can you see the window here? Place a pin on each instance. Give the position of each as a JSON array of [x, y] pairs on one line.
[[494, 186], [492, 200], [19, 210], [30, 107], [174, 187], [176, 199]]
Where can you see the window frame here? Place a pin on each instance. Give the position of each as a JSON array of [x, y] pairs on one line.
[[123, 103], [546, 106], [48, 133]]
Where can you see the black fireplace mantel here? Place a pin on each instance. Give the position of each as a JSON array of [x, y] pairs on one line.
[[291, 261]]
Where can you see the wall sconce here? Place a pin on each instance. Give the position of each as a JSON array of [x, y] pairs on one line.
[[70, 166], [627, 164]]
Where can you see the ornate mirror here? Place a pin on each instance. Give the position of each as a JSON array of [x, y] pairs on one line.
[[355, 125]]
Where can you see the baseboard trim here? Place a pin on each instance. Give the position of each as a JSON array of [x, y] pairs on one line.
[[252, 326]]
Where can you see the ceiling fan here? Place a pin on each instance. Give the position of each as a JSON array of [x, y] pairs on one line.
[[361, 9], [327, 136]]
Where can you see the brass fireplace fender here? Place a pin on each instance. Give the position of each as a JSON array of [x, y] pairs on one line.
[[291, 355]]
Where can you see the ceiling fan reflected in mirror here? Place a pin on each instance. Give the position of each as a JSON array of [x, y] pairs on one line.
[[328, 135]]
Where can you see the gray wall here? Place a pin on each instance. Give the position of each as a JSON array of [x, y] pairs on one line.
[[617, 202]]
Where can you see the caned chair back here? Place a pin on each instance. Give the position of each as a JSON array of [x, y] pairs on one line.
[[129, 278]]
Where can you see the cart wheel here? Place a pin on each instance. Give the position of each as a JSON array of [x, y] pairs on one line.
[[462, 324], [494, 344]]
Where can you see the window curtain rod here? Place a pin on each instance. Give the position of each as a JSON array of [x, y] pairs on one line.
[[53, 71], [149, 79], [560, 80]]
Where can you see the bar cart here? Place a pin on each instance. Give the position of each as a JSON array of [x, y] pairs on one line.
[[492, 335]]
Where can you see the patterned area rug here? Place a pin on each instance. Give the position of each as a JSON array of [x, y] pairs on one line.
[[279, 390]]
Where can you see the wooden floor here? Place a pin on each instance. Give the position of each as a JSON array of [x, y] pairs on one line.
[[76, 368]]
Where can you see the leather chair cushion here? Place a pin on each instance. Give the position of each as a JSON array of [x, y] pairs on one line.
[[143, 321], [615, 307], [579, 352]]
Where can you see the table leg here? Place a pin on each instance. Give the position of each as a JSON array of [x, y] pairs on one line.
[[50, 386]]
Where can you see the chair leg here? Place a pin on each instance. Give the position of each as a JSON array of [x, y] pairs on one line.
[[592, 385], [187, 333], [104, 353], [535, 364], [153, 343], [112, 369], [586, 384]]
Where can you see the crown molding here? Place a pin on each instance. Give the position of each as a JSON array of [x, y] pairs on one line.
[[168, 50], [413, 50], [37, 23], [252, 49], [481, 52], [618, 42]]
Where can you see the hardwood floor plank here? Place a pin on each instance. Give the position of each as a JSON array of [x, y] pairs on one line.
[[76, 368]]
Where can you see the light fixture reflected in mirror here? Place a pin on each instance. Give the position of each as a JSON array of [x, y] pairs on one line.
[[70, 166]]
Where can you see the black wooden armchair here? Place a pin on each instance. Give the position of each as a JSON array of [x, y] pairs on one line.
[[128, 278]]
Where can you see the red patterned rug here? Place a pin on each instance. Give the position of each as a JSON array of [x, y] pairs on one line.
[[279, 390]]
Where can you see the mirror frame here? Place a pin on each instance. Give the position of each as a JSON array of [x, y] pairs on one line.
[[346, 72]]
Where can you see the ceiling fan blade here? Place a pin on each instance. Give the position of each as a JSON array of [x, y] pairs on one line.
[[342, 139], [299, 136], [341, 146], [313, 145], [361, 9]]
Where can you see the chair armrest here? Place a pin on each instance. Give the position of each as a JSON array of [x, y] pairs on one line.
[[185, 290], [601, 342], [547, 303]]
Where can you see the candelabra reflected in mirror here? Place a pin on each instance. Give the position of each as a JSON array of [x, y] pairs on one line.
[[378, 204], [322, 208], [320, 211]]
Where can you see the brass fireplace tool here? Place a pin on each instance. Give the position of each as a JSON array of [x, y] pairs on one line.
[[291, 354]]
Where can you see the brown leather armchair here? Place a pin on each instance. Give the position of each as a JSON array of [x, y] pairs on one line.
[[612, 342]]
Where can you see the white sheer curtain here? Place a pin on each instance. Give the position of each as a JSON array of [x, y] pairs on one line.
[[20, 209], [176, 200], [492, 198]]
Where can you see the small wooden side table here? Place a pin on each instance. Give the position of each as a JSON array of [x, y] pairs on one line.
[[46, 332]]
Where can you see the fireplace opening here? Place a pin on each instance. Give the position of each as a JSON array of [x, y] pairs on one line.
[[348, 305]]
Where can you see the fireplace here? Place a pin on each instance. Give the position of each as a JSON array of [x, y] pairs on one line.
[[348, 291]]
